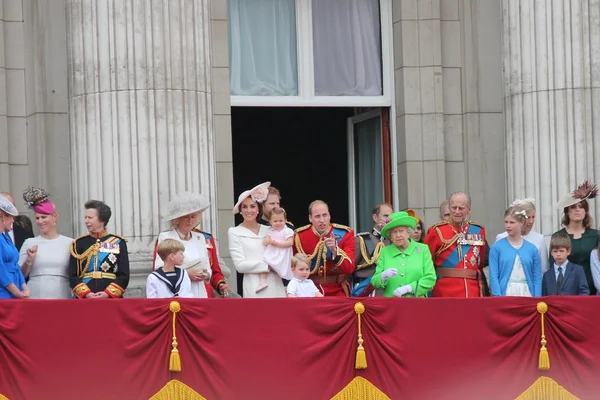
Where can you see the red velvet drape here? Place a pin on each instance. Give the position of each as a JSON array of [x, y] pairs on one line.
[[295, 348]]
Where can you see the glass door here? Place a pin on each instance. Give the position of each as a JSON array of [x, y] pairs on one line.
[[367, 158]]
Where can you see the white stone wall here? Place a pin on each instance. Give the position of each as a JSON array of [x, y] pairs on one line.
[[141, 104], [449, 121], [552, 100]]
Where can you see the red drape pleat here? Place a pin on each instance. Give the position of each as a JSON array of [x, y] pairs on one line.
[[295, 348]]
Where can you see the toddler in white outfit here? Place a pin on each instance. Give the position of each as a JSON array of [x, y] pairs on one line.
[[279, 242], [301, 285]]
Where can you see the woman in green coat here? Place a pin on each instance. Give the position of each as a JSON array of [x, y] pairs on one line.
[[405, 267]]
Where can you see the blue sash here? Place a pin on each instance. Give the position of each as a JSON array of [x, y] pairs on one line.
[[98, 259]]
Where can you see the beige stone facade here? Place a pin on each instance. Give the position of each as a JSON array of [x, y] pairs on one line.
[[470, 101]]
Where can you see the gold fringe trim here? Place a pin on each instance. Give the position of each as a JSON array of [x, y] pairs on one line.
[[360, 389], [174, 359], [545, 388], [3, 398], [544, 361], [361, 356], [176, 390]]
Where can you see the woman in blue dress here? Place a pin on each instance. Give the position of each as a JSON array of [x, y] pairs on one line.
[[12, 282]]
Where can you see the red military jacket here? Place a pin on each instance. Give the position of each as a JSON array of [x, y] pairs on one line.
[[329, 274], [459, 256]]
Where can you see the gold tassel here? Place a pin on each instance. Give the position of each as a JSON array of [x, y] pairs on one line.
[[174, 360], [544, 362], [361, 356]]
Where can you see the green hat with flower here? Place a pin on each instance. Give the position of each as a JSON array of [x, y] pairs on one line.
[[397, 219]]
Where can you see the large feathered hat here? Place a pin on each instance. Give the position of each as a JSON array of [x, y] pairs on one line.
[[38, 200], [585, 191]]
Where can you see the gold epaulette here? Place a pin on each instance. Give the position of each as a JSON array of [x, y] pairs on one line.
[[475, 223], [347, 228], [303, 228], [440, 223]]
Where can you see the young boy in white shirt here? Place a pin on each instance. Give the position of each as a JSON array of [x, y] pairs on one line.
[[169, 280], [301, 285]]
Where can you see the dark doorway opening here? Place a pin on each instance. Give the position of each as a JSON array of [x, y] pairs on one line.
[[302, 151]]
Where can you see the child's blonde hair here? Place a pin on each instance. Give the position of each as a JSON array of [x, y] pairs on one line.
[[300, 258], [517, 212], [278, 211], [169, 246]]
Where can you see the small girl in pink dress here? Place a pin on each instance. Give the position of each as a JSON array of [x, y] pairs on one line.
[[279, 242]]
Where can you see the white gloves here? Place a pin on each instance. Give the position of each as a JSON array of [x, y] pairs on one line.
[[402, 290], [388, 273]]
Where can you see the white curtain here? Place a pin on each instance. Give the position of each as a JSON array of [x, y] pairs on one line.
[[262, 48], [368, 153], [347, 47]]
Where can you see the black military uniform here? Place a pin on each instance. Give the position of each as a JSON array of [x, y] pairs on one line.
[[99, 263], [368, 246]]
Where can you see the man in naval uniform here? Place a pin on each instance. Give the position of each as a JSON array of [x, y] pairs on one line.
[[368, 245], [330, 248], [99, 264]]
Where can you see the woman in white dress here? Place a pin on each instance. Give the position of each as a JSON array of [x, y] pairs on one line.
[[200, 256], [45, 258], [515, 268], [246, 246], [528, 233]]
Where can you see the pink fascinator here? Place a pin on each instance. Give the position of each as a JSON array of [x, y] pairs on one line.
[[258, 194], [38, 200]]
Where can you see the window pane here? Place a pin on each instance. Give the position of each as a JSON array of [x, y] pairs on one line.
[[347, 47], [262, 47], [368, 169]]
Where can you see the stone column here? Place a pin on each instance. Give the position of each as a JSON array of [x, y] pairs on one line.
[[140, 113], [551, 63]]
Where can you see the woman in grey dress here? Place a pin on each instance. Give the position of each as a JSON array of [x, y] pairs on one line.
[[45, 258]]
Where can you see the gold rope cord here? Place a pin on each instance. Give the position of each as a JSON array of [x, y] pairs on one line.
[[361, 356], [365, 253], [174, 358], [544, 361], [86, 255]]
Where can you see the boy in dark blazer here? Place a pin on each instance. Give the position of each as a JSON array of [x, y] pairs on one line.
[[563, 278]]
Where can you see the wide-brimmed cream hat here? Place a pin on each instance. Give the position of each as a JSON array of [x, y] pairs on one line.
[[585, 191], [258, 193], [186, 203]]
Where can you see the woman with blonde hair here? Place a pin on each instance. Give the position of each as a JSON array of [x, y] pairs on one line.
[[45, 258], [528, 233], [515, 267], [201, 261]]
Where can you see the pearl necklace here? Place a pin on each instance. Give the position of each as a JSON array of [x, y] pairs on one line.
[[184, 237]]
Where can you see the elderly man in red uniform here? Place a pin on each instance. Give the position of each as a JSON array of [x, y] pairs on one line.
[[458, 249], [330, 248]]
